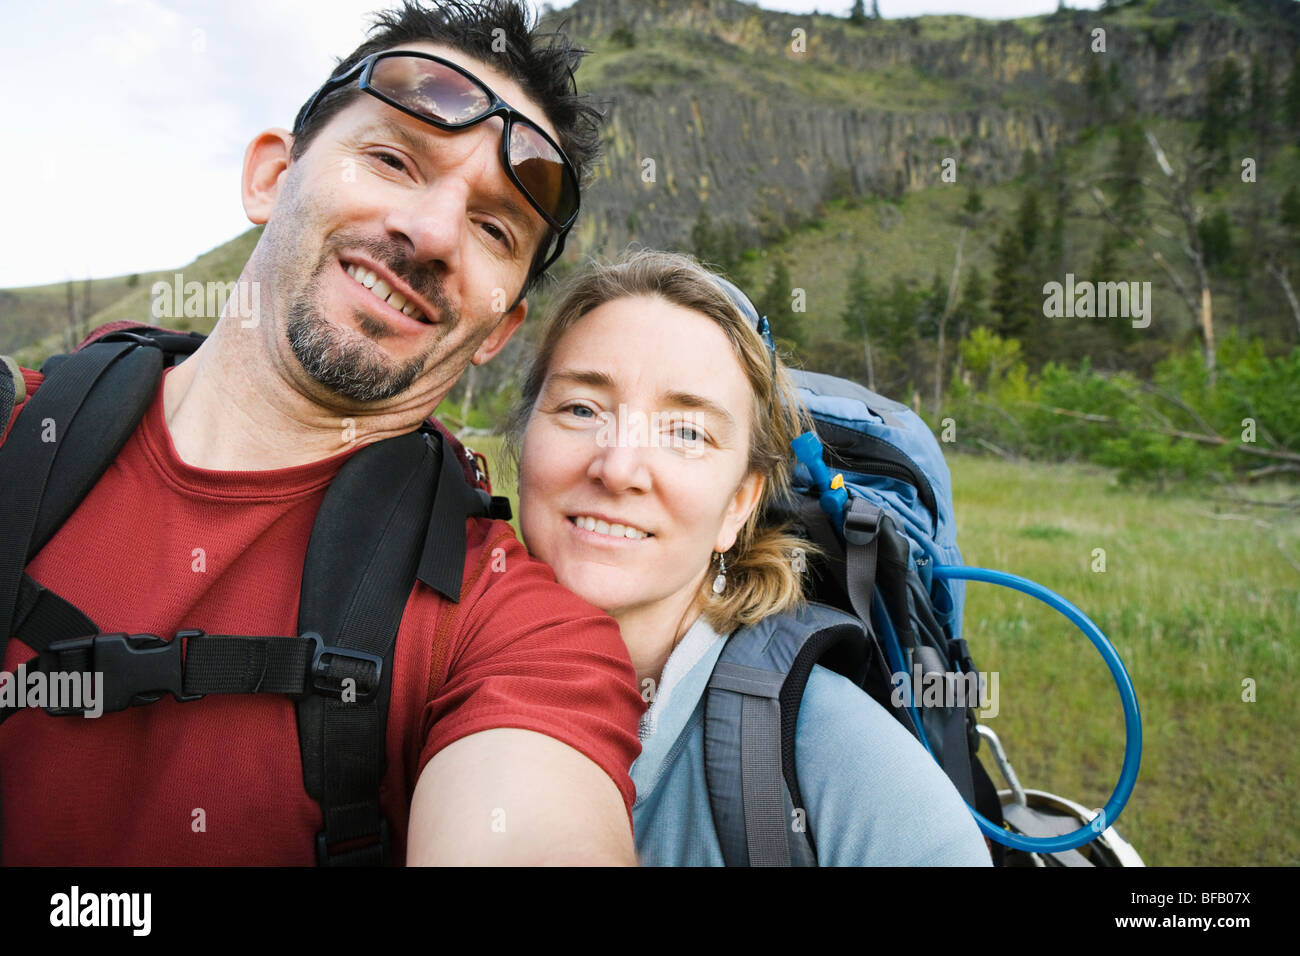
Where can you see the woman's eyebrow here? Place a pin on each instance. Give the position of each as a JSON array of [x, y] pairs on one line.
[[699, 402], [594, 378], [582, 376]]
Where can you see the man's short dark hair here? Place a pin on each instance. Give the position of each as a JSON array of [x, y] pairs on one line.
[[543, 71]]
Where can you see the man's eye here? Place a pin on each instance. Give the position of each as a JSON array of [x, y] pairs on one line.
[[391, 159], [497, 233]]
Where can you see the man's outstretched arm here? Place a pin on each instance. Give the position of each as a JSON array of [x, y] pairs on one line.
[[510, 797]]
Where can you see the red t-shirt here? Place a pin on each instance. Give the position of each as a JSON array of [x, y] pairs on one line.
[[518, 651]]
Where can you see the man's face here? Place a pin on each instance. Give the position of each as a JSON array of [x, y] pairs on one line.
[[396, 248]]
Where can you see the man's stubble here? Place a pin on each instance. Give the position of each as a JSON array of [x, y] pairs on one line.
[[349, 362]]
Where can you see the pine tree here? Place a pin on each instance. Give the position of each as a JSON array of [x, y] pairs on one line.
[[859, 12], [1029, 221], [1291, 101], [1105, 264], [1017, 274], [1217, 244], [1096, 87], [1130, 152], [1220, 116], [860, 313], [1263, 100], [971, 306], [1059, 195], [1291, 208]]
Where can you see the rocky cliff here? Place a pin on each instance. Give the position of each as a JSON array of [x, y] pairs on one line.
[[759, 116]]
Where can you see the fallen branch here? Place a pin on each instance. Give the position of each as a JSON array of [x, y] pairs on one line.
[[1217, 440], [1000, 452]]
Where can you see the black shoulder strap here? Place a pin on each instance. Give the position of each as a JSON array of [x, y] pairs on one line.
[[395, 513], [82, 416]]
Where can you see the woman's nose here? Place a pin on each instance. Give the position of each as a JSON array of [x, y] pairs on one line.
[[621, 460]]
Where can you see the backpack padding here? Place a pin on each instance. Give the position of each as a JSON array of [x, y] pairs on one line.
[[97, 433], [750, 715], [40, 496]]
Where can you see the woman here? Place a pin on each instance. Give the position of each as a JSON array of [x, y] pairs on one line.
[[653, 427]]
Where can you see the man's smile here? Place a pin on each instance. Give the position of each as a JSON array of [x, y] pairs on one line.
[[384, 294]]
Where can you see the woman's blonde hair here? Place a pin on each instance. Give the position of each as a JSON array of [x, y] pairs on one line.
[[764, 564]]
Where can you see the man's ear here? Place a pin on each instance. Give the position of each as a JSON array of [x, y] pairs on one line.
[[265, 162], [743, 502], [499, 336]]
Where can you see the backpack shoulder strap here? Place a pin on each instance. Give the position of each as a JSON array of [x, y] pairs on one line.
[[394, 514], [64, 438], [750, 714]]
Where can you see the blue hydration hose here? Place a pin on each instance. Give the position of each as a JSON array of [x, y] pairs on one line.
[[1128, 696], [833, 496]]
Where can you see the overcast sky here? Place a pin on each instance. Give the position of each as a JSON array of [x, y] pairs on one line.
[[123, 148]]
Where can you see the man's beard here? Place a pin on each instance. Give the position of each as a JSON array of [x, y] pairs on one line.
[[349, 364]]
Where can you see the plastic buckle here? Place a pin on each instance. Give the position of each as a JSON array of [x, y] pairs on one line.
[[318, 675], [862, 521], [134, 669]]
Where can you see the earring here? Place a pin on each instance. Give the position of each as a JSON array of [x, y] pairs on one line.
[[720, 581]]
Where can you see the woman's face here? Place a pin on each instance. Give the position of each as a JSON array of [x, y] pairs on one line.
[[642, 423]]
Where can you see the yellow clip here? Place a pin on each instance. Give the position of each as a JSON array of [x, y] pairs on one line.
[[837, 481]]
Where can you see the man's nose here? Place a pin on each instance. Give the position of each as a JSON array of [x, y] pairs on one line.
[[434, 220], [622, 458]]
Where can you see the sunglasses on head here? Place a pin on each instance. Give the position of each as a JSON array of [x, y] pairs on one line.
[[451, 98]]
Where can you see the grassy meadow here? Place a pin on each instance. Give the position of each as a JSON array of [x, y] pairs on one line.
[[1200, 592]]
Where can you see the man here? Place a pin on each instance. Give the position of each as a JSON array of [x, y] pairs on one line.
[[401, 237]]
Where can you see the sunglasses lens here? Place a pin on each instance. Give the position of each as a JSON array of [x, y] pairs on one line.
[[446, 96], [430, 89], [542, 171]]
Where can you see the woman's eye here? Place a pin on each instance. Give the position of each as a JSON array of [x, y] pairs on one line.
[[575, 409]]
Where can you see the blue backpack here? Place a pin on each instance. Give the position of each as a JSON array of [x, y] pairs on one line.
[[872, 490], [877, 611]]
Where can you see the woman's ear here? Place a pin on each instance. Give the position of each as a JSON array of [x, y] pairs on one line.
[[742, 504], [265, 162]]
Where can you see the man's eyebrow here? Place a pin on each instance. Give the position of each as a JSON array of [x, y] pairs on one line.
[[677, 399], [415, 142], [421, 142]]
